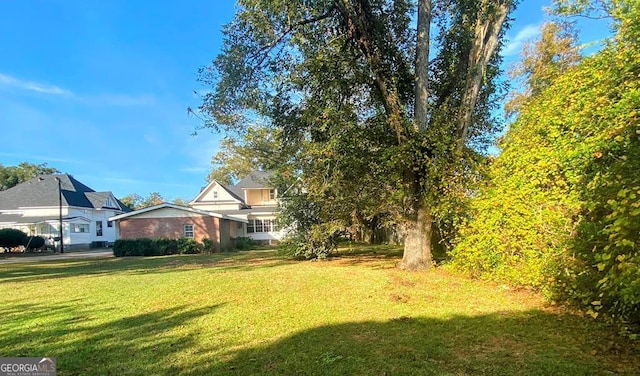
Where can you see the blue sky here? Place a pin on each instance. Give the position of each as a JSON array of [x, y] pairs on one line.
[[99, 89]]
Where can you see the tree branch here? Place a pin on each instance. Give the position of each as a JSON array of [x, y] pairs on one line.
[[486, 39], [265, 50], [359, 25]]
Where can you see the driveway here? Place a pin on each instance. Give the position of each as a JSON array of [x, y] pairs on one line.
[[94, 253]]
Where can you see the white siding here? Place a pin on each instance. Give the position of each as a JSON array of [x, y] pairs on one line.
[[214, 206], [167, 213], [214, 192]]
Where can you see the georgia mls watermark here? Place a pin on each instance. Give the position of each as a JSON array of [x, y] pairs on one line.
[[27, 366]]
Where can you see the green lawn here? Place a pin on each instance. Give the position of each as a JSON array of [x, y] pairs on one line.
[[255, 313]]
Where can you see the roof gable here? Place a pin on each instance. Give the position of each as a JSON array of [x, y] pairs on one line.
[[103, 200], [215, 191]]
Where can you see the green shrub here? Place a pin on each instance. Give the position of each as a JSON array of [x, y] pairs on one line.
[[315, 242], [132, 247], [165, 246], [10, 237], [147, 247], [188, 246], [243, 243], [34, 242], [208, 245], [155, 247]]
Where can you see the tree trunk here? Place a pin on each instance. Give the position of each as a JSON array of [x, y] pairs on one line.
[[417, 242]]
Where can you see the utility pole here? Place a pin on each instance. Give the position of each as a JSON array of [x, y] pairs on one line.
[[60, 213]]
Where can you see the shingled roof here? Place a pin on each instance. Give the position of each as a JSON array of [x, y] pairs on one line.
[[42, 191], [256, 179]]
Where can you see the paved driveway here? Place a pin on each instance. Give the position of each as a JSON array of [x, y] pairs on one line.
[[94, 253]]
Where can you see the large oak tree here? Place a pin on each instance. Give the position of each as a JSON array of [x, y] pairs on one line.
[[357, 77]]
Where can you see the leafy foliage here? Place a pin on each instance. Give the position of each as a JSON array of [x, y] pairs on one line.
[[188, 246], [257, 149], [337, 82], [135, 201], [10, 237], [33, 242], [154, 247], [243, 243], [561, 210]]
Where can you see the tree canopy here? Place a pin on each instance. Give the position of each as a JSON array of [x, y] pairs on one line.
[[361, 108]]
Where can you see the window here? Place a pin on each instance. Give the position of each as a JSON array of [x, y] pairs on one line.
[[259, 226], [272, 194], [268, 225], [79, 227], [98, 228], [262, 225], [109, 223], [187, 231], [215, 194]]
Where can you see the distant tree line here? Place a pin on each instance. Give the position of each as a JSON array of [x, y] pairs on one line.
[[135, 201]]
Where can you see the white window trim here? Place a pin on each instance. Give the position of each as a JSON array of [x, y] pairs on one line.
[[186, 231]]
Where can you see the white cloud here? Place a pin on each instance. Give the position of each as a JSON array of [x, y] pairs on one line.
[[44, 158], [514, 44], [195, 170], [102, 99], [10, 81]]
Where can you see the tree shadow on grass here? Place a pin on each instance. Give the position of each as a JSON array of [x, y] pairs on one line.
[[524, 343], [145, 343], [169, 342], [135, 265], [383, 256]]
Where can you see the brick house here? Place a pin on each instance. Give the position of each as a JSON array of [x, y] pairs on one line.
[[175, 221]]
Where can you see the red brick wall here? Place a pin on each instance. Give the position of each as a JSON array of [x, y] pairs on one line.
[[203, 227]]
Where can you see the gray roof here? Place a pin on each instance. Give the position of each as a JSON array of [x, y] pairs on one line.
[[256, 179], [42, 191], [235, 193]]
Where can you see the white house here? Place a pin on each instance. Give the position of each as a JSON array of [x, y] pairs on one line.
[[34, 207], [254, 201]]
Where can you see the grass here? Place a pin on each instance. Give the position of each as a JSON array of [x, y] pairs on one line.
[[255, 313]]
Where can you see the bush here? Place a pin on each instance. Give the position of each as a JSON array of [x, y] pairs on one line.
[[166, 246], [134, 247], [154, 247], [126, 247], [208, 245], [10, 237], [188, 246], [33, 242], [243, 243], [317, 242]]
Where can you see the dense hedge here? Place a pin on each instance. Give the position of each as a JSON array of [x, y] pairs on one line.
[[33, 242], [155, 247], [10, 237], [158, 247]]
